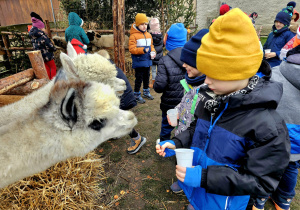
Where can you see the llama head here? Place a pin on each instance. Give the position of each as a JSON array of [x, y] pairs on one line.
[[89, 107], [94, 67]]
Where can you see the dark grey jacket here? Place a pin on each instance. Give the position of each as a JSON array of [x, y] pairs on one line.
[[289, 75], [167, 81]]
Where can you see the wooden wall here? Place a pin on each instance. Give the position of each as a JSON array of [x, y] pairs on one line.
[[13, 12]]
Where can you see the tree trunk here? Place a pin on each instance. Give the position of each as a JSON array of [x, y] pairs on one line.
[[15, 80], [27, 88], [8, 99], [38, 64]]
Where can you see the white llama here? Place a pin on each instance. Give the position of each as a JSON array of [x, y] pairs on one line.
[[67, 117]]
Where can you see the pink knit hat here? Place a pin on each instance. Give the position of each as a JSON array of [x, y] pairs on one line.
[[154, 25], [37, 23]]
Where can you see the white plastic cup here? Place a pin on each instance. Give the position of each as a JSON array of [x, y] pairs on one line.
[[152, 54], [172, 114], [267, 51], [184, 157]]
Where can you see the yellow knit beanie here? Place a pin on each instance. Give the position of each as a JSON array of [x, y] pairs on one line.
[[231, 49], [140, 18]]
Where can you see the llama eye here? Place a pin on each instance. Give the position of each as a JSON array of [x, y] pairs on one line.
[[97, 124]]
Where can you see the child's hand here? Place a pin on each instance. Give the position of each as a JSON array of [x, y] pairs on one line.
[[180, 172], [270, 55], [146, 50], [165, 148]]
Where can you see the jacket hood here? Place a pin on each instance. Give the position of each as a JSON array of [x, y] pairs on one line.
[[266, 94], [175, 55], [134, 29], [291, 72], [74, 19]]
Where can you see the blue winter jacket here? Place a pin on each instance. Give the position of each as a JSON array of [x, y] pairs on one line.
[[289, 75], [74, 31], [276, 41], [242, 150]]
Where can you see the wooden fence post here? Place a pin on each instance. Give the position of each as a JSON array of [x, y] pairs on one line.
[[48, 29], [119, 33], [38, 64]]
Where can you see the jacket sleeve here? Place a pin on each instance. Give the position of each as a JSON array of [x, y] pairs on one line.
[[262, 169], [133, 49], [84, 37], [152, 46], [161, 79], [49, 44]]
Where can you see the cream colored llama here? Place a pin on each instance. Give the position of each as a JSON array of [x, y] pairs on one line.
[[66, 118]]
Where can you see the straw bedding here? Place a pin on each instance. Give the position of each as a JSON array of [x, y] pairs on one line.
[[73, 184]]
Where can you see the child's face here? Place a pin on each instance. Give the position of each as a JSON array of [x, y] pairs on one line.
[[278, 25], [143, 26], [191, 71], [221, 87]]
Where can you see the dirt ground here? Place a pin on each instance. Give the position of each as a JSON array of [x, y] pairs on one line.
[[142, 181]]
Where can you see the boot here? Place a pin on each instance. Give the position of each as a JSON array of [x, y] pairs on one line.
[[136, 145], [146, 94], [139, 98]]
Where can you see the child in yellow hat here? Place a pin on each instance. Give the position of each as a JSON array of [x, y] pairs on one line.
[[142, 52], [241, 144]]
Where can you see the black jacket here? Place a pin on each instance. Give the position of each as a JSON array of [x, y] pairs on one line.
[[158, 43], [167, 81], [127, 99]]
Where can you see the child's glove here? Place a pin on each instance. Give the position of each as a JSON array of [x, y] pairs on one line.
[[84, 47], [193, 176], [169, 152]]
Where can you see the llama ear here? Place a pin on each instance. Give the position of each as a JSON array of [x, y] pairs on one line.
[[68, 108], [68, 67], [71, 51]]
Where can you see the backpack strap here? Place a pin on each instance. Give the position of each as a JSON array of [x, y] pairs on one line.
[[186, 87], [194, 102]]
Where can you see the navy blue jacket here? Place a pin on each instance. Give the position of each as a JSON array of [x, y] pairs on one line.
[[276, 42], [242, 150], [127, 99], [167, 80], [40, 41]]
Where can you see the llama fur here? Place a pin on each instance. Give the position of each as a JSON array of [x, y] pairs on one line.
[[70, 118], [94, 67]]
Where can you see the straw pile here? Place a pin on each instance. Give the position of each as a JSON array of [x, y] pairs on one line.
[[73, 184]]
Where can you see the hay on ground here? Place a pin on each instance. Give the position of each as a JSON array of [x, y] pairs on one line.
[[73, 184]]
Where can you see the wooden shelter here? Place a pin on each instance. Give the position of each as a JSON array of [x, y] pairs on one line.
[[13, 12]]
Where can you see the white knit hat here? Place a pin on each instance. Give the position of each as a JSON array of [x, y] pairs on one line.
[[154, 25]]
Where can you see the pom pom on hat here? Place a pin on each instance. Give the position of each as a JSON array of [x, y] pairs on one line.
[[176, 36], [285, 15], [229, 51], [224, 8], [292, 3], [189, 50], [140, 18], [33, 14]]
